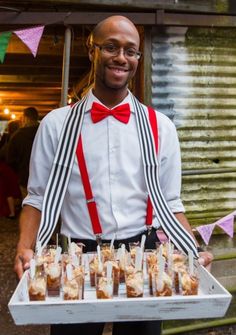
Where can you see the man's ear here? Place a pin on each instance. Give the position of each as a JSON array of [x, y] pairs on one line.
[[91, 54]]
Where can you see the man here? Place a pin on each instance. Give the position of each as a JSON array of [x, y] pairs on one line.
[[113, 149], [20, 146]]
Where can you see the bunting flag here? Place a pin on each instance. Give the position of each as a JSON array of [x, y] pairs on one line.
[[161, 236], [226, 223], [206, 232], [31, 37], [4, 40], [228, 226]]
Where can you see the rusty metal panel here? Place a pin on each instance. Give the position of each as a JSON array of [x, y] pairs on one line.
[[194, 83]]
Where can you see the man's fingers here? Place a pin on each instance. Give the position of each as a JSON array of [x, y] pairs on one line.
[[22, 262], [205, 258], [18, 267]]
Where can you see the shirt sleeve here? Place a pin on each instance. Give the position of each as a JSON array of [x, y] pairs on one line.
[[169, 158], [42, 156]]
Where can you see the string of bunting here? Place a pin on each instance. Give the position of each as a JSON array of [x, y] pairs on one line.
[[30, 37], [226, 223]]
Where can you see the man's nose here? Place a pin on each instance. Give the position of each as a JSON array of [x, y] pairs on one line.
[[121, 54]]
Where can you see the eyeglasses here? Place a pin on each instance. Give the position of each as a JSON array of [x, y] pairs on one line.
[[114, 50]]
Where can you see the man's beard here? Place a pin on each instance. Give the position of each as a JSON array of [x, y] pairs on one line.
[[114, 87]]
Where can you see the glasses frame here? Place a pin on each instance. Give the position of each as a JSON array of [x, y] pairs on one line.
[[137, 54]]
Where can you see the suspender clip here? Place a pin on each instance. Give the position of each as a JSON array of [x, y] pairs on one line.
[[149, 229], [90, 200], [99, 238]]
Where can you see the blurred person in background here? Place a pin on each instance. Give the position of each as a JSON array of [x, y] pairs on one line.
[[20, 146], [9, 187]]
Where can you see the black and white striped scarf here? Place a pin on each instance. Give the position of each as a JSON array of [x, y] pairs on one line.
[[62, 167]]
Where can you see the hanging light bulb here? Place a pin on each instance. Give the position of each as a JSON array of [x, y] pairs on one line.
[[6, 111], [13, 116]]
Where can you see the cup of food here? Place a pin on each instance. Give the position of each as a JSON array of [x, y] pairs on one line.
[[107, 252], [72, 287], [134, 283], [161, 284], [189, 283], [54, 271], [104, 282], [104, 287], [37, 287], [95, 267]]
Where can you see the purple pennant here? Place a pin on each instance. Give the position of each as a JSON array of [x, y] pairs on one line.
[[206, 231], [162, 236], [227, 225], [31, 37]]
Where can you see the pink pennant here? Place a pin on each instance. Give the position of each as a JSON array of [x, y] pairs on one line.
[[31, 37], [161, 236], [206, 232], [227, 225]]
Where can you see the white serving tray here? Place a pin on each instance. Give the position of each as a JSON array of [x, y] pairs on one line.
[[212, 301]]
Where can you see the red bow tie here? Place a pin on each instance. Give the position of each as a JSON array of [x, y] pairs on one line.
[[99, 112]]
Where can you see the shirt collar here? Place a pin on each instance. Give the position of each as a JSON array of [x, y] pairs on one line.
[[91, 98]]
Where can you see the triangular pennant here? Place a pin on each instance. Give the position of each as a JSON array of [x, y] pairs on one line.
[[31, 37], [227, 225], [4, 40], [161, 236], [206, 232]]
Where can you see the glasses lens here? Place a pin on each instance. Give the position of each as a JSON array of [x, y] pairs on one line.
[[110, 49], [114, 50]]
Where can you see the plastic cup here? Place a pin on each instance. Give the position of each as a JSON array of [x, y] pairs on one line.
[[134, 284], [72, 289], [54, 272], [161, 284], [189, 283], [104, 287], [37, 287], [107, 252], [94, 268]]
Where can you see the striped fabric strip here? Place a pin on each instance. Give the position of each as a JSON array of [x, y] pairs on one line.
[[170, 225], [61, 171]]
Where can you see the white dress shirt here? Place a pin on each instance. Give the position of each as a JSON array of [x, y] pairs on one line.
[[115, 168]]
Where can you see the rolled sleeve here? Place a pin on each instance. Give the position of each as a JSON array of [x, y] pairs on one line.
[[169, 158], [42, 156]]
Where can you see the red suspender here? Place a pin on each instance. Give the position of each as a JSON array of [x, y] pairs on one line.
[[153, 123], [91, 204]]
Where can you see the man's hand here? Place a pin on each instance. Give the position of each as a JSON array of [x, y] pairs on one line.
[[205, 259], [22, 261], [29, 225]]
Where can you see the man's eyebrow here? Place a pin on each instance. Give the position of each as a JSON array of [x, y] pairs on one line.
[[118, 41]]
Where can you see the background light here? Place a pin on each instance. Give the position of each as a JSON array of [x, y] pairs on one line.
[[6, 111]]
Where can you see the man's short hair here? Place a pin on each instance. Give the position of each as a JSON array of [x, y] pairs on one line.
[[31, 113]]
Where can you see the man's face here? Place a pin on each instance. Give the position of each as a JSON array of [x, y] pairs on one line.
[[114, 71]]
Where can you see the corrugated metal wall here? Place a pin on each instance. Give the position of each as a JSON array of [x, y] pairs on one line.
[[194, 83]]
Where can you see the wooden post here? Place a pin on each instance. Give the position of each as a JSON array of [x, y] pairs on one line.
[[66, 67]]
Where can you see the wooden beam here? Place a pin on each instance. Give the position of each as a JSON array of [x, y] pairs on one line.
[[20, 70], [34, 80], [73, 18], [203, 6], [199, 20], [18, 85], [158, 17], [22, 95]]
